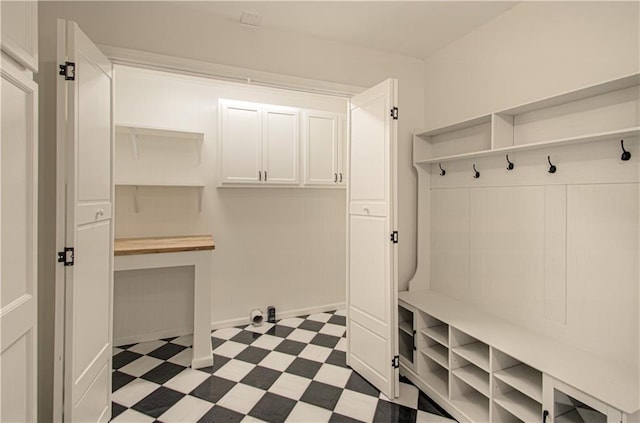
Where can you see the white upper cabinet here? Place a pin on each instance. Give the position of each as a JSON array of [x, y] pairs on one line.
[[20, 32], [324, 135], [280, 145], [240, 153], [258, 144]]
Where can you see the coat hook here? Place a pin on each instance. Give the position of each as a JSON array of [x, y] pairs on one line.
[[625, 154], [476, 174], [510, 166], [442, 171], [552, 167]]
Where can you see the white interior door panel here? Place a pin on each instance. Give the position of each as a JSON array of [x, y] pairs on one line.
[[372, 286], [88, 226]]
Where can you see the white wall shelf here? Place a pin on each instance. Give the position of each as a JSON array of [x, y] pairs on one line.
[[601, 136], [136, 186], [594, 113], [158, 157]]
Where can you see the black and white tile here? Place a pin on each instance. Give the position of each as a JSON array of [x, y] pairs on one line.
[[291, 371]]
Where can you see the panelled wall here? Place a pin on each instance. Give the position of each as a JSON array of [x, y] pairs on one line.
[[556, 253], [274, 246]]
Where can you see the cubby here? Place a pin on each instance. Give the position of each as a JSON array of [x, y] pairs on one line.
[[462, 365], [434, 352], [517, 387]]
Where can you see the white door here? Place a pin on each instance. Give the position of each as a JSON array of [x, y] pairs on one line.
[[321, 144], [240, 143], [280, 144], [372, 288], [18, 226], [88, 283]]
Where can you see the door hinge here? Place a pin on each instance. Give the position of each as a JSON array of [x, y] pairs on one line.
[[68, 70], [394, 237], [394, 113], [67, 256], [395, 363]]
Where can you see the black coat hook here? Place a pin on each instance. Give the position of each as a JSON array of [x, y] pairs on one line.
[[510, 165], [552, 167], [442, 171], [476, 174], [625, 154]]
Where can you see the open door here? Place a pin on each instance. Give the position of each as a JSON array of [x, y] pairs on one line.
[[18, 227], [372, 285], [85, 139]]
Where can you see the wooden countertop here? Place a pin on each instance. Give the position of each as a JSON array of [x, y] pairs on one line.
[[154, 245]]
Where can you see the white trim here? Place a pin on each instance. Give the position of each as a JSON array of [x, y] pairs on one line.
[[151, 336], [221, 324], [147, 60]]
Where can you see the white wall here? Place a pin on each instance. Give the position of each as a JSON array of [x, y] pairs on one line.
[[535, 50], [274, 246]]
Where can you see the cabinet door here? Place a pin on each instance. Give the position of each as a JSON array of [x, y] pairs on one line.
[[280, 146], [565, 403], [343, 139], [321, 148], [240, 153], [20, 32]]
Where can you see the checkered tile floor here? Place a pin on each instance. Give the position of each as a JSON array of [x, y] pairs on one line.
[[291, 371]]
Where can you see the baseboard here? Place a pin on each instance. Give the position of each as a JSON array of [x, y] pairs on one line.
[[224, 324], [279, 315], [153, 336]]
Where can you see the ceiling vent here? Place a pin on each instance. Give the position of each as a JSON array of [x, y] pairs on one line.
[[250, 19]]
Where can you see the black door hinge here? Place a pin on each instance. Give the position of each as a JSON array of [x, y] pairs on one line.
[[394, 113], [67, 256], [394, 237], [395, 363], [68, 70]]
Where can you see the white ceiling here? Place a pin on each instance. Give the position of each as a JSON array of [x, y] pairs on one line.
[[410, 28]]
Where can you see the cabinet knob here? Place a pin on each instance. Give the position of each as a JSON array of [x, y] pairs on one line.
[[100, 213], [335, 177], [340, 176], [259, 175], [365, 210]]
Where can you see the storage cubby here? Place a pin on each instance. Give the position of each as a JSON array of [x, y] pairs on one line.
[[436, 330], [469, 400], [470, 349], [406, 334], [434, 353], [517, 387]]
